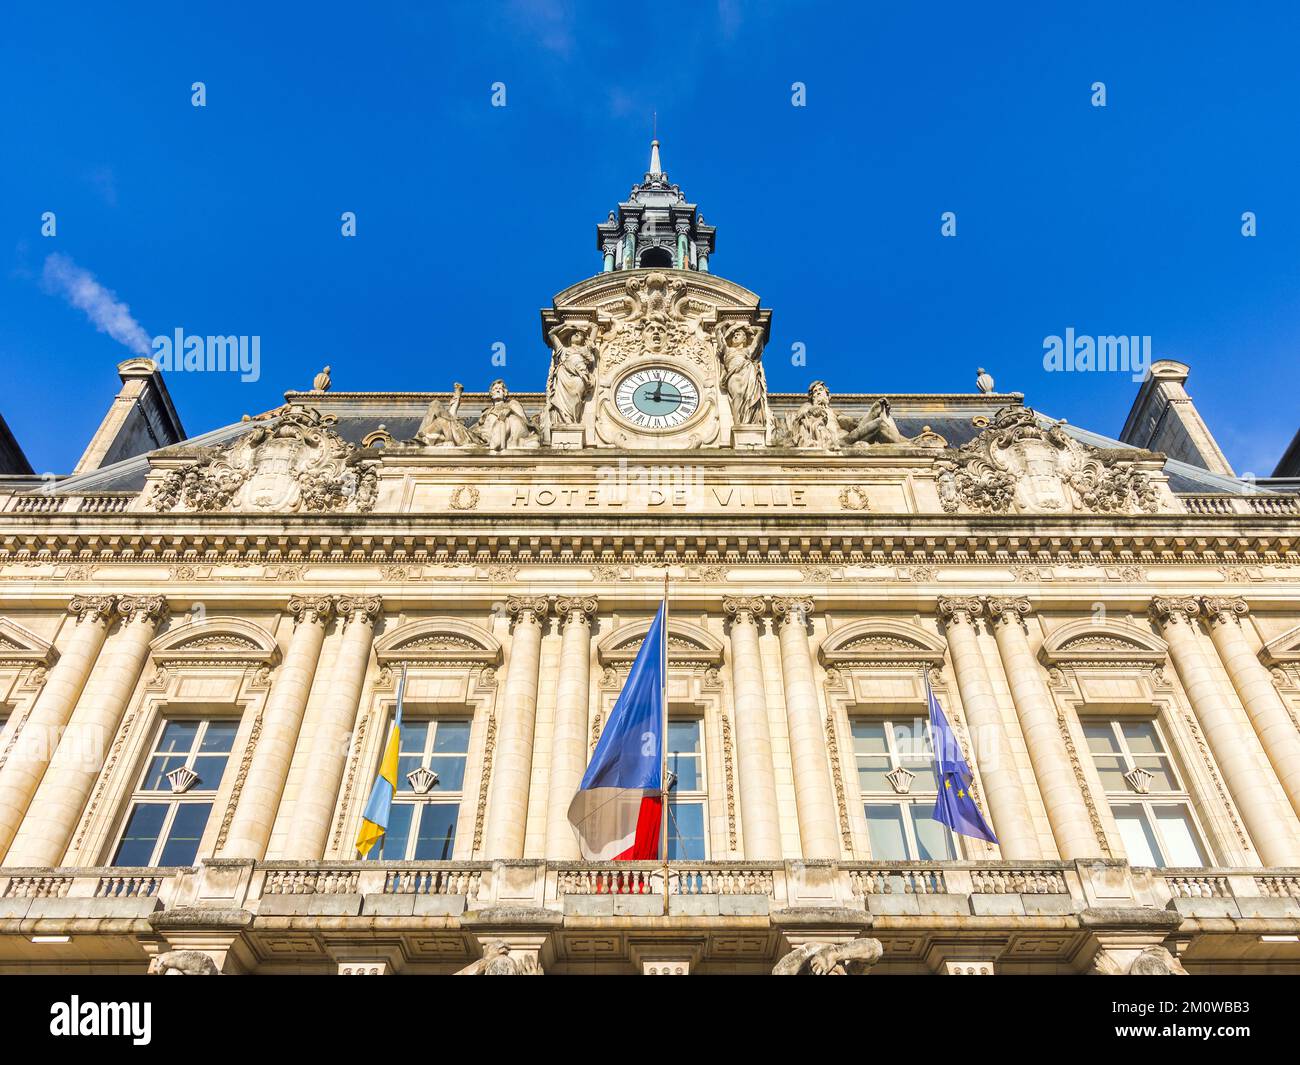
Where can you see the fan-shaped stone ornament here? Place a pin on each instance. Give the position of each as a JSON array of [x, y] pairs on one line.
[[182, 779], [422, 780]]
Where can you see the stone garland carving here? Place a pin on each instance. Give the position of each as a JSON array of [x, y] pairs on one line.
[[841, 800], [349, 780], [730, 778], [485, 778], [1017, 465], [1081, 781], [237, 789], [830, 959], [104, 774], [296, 463]]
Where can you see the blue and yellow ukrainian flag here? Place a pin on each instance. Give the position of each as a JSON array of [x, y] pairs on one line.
[[374, 822]]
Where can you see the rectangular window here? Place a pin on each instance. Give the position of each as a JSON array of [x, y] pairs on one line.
[[1152, 811], [172, 802], [895, 769], [430, 784], [687, 794]]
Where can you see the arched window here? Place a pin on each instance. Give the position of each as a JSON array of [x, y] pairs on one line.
[[657, 257]]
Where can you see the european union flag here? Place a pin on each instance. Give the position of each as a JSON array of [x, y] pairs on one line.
[[955, 806]]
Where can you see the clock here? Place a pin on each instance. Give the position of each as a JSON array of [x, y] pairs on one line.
[[656, 398]]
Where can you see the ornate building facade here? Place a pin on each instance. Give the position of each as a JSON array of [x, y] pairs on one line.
[[200, 640]]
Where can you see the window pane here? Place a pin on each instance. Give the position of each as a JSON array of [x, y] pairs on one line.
[[220, 736], [1162, 773], [933, 839], [159, 766], [1179, 835], [885, 833], [923, 767], [1111, 769], [141, 834], [178, 736], [393, 844], [1141, 737], [869, 737], [407, 763], [415, 737], [872, 770], [451, 737], [1101, 737], [687, 769], [210, 768], [684, 737], [183, 838], [451, 771], [437, 831], [686, 830], [1139, 840]]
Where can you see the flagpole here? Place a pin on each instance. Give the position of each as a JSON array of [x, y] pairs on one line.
[[663, 777]]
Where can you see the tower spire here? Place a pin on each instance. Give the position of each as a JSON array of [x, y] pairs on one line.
[[655, 168]]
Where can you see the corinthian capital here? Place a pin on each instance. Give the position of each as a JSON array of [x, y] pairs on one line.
[[792, 609], [316, 609], [576, 609], [745, 609], [1172, 609], [528, 609], [151, 609], [1221, 609], [93, 607], [960, 609], [1007, 609], [362, 608]]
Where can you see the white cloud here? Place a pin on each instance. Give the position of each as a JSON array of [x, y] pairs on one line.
[[108, 314]]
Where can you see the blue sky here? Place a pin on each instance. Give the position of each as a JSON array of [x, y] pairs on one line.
[[225, 219]]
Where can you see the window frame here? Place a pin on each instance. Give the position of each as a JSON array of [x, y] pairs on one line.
[[139, 795], [1179, 798], [696, 797], [906, 803]]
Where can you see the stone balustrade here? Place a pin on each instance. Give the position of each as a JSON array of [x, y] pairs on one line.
[[1280, 505]]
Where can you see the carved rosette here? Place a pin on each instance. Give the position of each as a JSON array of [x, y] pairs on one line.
[[1018, 465], [93, 608], [1175, 609], [960, 610], [311, 609], [528, 609], [1224, 609], [363, 609], [744, 609], [576, 609], [1008, 609], [151, 609], [792, 609]]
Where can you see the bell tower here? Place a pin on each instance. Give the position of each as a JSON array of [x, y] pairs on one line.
[[654, 352], [655, 228]]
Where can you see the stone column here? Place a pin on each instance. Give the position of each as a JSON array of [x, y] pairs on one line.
[[814, 797], [56, 808], [1008, 807], [608, 250], [1236, 750], [758, 807], [629, 244], [328, 754], [681, 258], [513, 764], [21, 774], [250, 829], [1254, 687], [1071, 826], [569, 740]]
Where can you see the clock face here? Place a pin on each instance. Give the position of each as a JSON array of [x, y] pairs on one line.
[[656, 398]]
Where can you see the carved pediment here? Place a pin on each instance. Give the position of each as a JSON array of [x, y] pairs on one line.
[[1282, 651], [1020, 466], [294, 463], [439, 641], [21, 647], [216, 641], [1084, 642], [880, 641], [687, 645]]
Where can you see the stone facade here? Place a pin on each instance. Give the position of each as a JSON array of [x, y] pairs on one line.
[[827, 556]]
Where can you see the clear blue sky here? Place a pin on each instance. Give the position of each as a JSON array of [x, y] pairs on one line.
[[225, 219]]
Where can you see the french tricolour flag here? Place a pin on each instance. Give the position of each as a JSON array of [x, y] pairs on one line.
[[618, 809]]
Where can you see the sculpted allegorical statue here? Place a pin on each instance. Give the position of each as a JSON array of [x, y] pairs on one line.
[[833, 959], [183, 963], [441, 425], [496, 961], [816, 424], [504, 423], [740, 350], [571, 372]]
